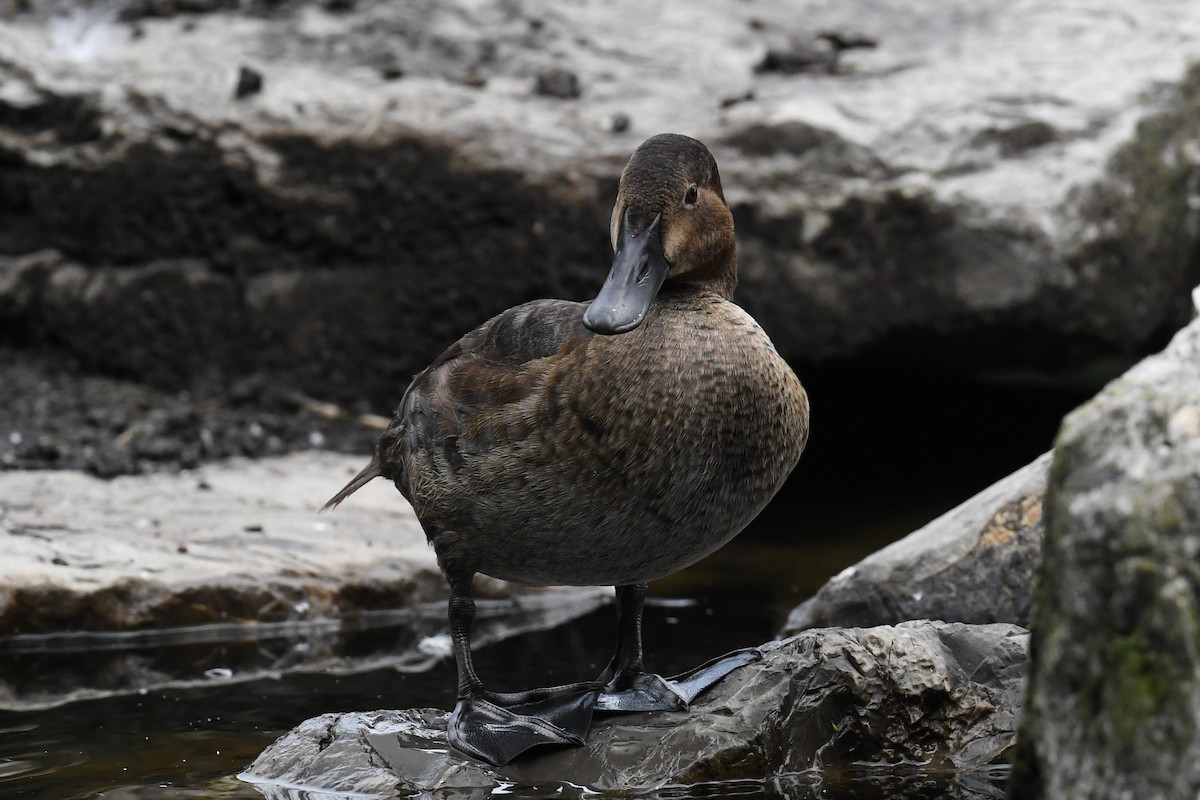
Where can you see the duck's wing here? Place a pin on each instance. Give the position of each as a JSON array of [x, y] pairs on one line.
[[524, 333], [486, 380], [456, 403]]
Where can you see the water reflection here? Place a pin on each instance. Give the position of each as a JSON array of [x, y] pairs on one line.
[[47, 670]]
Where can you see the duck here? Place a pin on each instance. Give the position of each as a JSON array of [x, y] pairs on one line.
[[611, 442]]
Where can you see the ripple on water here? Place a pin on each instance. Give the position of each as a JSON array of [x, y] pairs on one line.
[[31, 754]]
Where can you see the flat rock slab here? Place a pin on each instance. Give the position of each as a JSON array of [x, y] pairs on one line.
[[236, 541], [975, 564], [941, 696]]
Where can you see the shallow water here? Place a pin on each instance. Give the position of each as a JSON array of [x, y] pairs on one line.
[[874, 471]]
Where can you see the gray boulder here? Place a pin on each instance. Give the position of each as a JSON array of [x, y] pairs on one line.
[[1114, 697], [930, 699], [398, 172], [975, 563]]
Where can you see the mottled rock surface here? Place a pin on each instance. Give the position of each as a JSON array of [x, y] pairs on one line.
[[949, 196], [931, 697], [975, 563], [1114, 696]]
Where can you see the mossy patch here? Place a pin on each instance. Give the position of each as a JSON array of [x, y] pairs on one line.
[[1149, 231], [1145, 687], [1162, 175]]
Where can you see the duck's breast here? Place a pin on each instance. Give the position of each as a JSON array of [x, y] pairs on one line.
[[621, 458]]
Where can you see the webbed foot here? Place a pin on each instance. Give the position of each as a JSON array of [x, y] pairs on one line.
[[644, 691], [497, 728]]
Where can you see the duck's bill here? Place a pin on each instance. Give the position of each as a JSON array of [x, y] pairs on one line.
[[638, 271]]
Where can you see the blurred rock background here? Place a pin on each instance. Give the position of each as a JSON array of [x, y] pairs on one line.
[[234, 227]]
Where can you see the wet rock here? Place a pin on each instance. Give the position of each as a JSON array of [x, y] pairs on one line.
[[911, 208], [975, 564], [1114, 696], [73, 118], [939, 698], [819, 55], [169, 323]]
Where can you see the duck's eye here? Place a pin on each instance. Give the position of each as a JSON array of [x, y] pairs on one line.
[[691, 195]]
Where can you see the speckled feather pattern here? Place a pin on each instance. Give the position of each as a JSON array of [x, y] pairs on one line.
[[536, 451]]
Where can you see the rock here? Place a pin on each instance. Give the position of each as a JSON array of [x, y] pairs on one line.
[[1114, 696], [934, 699], [818, 56], [89, 312], [121, 567], [234, 551], [975, 564], [905, 209], [249, 82], [557, 82]]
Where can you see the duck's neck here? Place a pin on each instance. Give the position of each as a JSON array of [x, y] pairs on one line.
[[721, 281]]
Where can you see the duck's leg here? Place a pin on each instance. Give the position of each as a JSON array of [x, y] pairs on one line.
[[628, 687], [496, 727]]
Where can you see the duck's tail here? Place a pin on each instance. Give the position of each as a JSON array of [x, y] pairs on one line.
[[369, 473]]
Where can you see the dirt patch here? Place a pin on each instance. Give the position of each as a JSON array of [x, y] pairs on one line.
[[55, 415]]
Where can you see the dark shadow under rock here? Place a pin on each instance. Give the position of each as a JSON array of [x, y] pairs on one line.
[[937, 698]]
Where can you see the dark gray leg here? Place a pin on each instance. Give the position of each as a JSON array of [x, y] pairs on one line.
[[495, 727], [630, 688], [462, 618], [628, 657]]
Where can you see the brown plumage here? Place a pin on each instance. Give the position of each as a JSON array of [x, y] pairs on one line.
[[560, 445]]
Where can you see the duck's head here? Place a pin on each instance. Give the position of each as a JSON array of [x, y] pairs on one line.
[[670, 224]]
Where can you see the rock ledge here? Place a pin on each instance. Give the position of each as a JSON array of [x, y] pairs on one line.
[[941, 696]]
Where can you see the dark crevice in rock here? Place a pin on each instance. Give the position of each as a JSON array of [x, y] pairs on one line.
[[70, 118], [346, 269]]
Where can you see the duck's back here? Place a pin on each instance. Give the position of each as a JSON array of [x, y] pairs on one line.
[[537, 451]]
